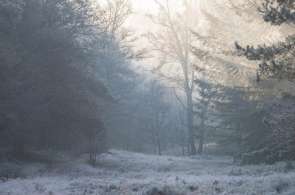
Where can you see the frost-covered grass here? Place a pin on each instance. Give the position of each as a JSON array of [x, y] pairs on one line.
[[134, 174]]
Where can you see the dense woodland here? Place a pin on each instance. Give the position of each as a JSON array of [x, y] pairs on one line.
[[75, 81]]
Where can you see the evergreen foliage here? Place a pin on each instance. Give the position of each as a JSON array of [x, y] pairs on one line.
[[276, 61], [50, 100], [276, 116]]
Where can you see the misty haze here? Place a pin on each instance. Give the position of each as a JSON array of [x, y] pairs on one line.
[[147, 97]]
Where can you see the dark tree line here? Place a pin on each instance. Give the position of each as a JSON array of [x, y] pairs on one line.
[[49, 97], [274, 140]]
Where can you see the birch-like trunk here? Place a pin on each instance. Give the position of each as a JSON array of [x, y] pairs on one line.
[[190, 125], [190, 114]]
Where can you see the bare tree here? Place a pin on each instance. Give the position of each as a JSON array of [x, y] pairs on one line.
[[173, 42], [159, 111]]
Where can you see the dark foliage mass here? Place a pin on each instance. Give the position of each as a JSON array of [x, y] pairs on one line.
[[273, 140], [278, 12], [48, 97], [254, 130], [277, 60], [276, 140]]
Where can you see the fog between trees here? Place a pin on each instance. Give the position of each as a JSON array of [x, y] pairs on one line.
[[76, 79]]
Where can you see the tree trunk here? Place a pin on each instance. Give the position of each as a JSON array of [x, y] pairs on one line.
[[201, 141], [190, 124], [159, 148], [158, 144], [202, 132]]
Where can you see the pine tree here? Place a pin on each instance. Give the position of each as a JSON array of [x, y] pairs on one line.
[[277, 60]]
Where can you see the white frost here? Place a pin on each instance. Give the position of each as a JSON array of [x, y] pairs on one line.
[[129, 173]]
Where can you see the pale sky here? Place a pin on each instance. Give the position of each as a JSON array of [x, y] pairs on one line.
[[149, 6], [139, 21], [144, 6]]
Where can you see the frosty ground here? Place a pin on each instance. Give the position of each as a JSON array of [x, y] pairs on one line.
[[124, 173]]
